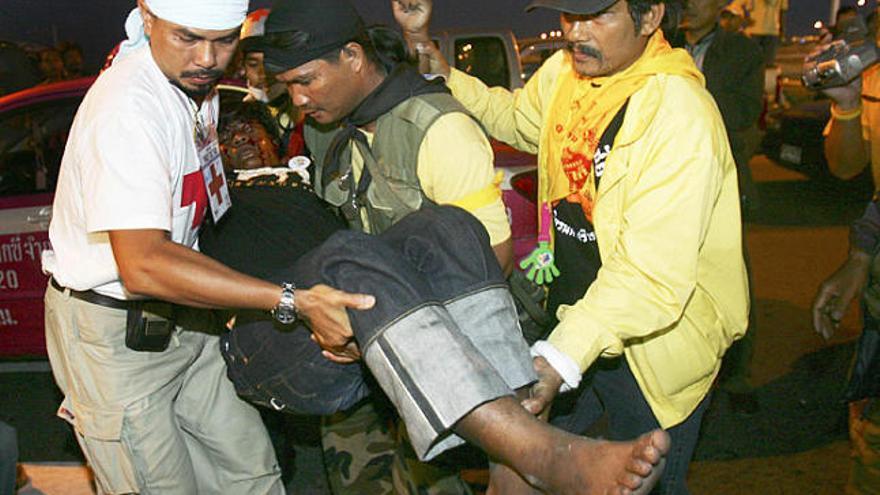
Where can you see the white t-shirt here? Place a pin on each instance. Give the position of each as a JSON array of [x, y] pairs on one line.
[[130, 163]]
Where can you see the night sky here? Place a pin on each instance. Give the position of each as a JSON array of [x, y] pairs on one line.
[[97, 24]]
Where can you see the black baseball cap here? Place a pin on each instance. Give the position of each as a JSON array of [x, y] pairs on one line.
[[579, 7], [322, 26]]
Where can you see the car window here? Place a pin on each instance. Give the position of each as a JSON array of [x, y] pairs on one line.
[[534, 55], [483, 57], [32, 142]]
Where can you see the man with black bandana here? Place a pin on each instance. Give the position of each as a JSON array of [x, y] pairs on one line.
[[336, 75]]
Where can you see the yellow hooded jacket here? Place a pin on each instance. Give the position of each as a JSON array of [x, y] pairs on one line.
[[672, 293]]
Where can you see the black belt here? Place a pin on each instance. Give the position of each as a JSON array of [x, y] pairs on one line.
[[93, 297]]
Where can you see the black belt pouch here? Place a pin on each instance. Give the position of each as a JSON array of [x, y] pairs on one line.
[[149, 326]]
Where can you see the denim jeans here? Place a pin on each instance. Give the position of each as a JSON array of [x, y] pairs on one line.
[[610, 387], [442, 338]]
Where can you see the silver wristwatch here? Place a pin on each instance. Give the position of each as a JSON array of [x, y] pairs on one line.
[[285, 310]]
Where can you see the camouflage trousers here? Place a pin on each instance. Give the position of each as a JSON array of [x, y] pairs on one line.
[[366, 451], [864, 432]]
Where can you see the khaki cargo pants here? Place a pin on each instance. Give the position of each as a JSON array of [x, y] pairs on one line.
[[154, 422]]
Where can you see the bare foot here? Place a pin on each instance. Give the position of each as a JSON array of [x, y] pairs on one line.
[[596, 467], [647, 462], [558, 462]]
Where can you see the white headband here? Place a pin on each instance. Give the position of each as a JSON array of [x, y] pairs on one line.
[[197, 14], [201, 14]]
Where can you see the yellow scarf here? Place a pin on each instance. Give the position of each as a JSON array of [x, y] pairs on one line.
[[583, 107]]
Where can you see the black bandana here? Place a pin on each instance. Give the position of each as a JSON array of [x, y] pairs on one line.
[[321, 25]]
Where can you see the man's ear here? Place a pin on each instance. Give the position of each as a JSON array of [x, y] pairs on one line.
[[652, 18], [353, 54], [147, 17]]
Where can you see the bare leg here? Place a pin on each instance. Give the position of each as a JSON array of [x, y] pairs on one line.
[[503, 480], [555, 461]]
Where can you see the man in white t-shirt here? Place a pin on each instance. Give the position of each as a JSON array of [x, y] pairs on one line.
[[147, 395]]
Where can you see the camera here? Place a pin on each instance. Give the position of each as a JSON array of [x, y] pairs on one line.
[[846, 57]]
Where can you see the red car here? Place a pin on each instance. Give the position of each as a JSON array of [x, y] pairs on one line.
[[33, 130]]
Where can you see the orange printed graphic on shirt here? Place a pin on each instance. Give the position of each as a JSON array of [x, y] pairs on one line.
[[577, 168]]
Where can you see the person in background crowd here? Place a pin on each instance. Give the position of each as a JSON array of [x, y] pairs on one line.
[[766, 25], [72, 55], [51, 66], [260, 88], [731, 19], [144, 383], [17, 71], [633, 154], [264, 88], [733, 78], [731, 64]]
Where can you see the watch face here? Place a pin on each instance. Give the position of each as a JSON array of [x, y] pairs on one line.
[[285, 316]]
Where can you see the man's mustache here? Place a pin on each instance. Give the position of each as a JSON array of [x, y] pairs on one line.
[[202, 74], [584, 49]]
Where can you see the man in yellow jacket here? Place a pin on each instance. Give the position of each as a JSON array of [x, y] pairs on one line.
[[639, 217]]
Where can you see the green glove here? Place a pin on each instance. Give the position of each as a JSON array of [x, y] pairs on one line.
[[541, 268]]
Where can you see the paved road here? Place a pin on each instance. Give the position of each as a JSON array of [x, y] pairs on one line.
[[797, 444]]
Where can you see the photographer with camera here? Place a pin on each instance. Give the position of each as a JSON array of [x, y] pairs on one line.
[[851, 141], [838, 69]]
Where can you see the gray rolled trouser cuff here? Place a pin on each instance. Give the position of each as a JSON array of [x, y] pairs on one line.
[[433, 375], [488, 318]]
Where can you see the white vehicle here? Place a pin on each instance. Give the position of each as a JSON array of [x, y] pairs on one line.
[[490, 55]]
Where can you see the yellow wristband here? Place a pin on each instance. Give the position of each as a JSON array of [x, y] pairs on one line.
[[838, 114]]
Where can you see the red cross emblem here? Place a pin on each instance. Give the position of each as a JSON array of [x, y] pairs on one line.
[[216, 184], [194, 193]]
